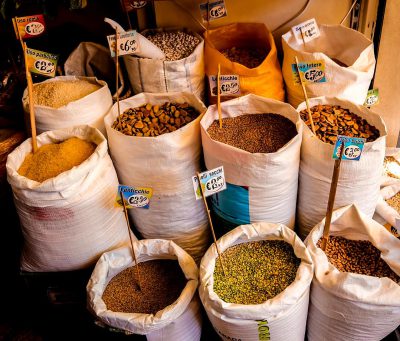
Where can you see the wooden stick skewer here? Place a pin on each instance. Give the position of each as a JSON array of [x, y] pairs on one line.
[[130, 238], [305, 96], [117, 76], [219, 96], [331, 200], [211, 224]]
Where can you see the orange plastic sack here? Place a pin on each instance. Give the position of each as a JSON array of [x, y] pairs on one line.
[[264, 80]]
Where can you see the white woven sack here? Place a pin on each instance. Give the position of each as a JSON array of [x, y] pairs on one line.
[[385, 210], [68, 221], [165, 163], [284, 316], [359, 181], [90, 109], [271, 178], [180, 321], [350, 306], [336, 41], [157, 75]]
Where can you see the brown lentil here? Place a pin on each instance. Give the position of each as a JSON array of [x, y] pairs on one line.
[[249, 57], [392, 167], [53, 159], [162, 282], [332, 120], [154, 120], [357, 256], [255, 271], [255, 133], [175, 44], [394, 202]]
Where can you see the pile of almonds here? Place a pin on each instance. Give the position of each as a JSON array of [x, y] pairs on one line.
[[154, 120], [332, 120]]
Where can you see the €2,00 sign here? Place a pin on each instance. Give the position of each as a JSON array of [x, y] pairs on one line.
[[212, 181], [353, 147]]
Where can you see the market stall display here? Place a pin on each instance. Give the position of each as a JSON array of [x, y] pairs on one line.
[[349, 64], [259, 148], [67, 101], [179, 320], [165, 163], [70, 219], [246, 50], [259, 309], [355, 294], [359, 181]]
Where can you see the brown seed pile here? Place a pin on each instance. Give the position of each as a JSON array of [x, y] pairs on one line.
[[162, 281], [255, 133], [392, 167], [155, 120], [332, 120], [357, 256], [53, 159], [175, 44], [394, 202], [249, 57], [255, 271]]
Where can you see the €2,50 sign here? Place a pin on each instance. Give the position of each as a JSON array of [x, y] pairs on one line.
[[42, 63], [212, 181]]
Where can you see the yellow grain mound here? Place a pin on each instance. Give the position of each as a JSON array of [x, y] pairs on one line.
[[51, 160], [57, 94]]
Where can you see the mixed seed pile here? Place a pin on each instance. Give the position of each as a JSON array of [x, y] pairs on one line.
[[254, 133], [255, 271], [162, 281], [175, 45], [154, 120], [394, 202], [357, 256], [392, 167], [249, 57], [332, 120]]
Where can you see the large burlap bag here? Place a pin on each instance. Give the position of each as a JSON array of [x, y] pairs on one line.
[[90, 109], [359, 181], [180, 321], [264, 80], [165, 163], [350, 306], [260, 186], [350, 47], [282, 317], [68, 221]]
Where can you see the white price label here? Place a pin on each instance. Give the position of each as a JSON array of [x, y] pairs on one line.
[[212, 181], [306, 31], [213, 10], [34, 28], [229, 85], [127, 43]]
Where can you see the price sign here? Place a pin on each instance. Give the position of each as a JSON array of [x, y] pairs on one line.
[[306, 31], [135, 197], [229, 85], [212, 181], [372, 98], [42, 63], [213, 10], [29, 27], [310, 72], [127, 43], [353, 147]]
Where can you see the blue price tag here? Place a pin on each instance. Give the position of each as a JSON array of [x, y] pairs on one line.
[[353, 147]]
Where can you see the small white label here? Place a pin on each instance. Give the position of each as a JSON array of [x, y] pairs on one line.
[[229, 85], [127, 43], [215, 10], [34, 28], [212, 181], [306, 31]]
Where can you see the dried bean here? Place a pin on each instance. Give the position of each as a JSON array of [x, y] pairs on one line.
[[249, 57], [357, 256], [255, 133], [255, 271]]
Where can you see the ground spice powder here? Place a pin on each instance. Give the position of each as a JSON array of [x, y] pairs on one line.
[[162, 282], [357, 256], [53, 159], [255, 271]]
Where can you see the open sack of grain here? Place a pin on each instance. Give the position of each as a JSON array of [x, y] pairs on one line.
[[388, 207], [246, 50], [359, 181], [357, 297], [68, 220], [67, 101], [179, 320], [349, 63], [259, 147], [157, 144], [264, 293]]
